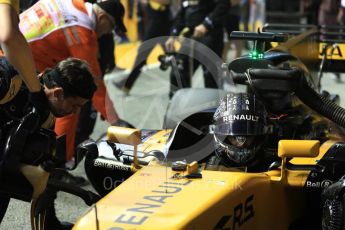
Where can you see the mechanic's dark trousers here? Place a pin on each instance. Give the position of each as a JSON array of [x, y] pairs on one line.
[[157, 28], [142, 17], [207, 52], [143, 52], [106, 49]]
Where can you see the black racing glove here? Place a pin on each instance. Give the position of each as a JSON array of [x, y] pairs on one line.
[[41, 104]]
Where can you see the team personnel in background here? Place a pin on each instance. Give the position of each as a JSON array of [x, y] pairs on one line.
[[17, 51], [204, 19], [67, 87], [106, 45], [232, 23], [257, 14], [288, 7], [341, 16], [157, 25], [57, 29], [138, 7], [328, 12]]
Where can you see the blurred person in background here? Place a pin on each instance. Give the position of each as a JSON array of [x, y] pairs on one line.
[[341, 13], [311, 9], [232, 23], [106, 45], [282, 11], [257, 14], [157, 25], [204, 20], [175, 7], [244, 7], [138, 6], [328, 12]]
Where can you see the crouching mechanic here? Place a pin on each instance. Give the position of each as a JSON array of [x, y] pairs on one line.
[[68, 87], [242, 135]]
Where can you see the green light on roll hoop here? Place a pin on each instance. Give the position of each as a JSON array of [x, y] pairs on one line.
[[256, 55]]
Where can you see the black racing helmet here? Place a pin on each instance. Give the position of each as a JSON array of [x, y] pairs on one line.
[[240, 125]]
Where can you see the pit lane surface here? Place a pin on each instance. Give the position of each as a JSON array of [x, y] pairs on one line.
[[144, 108]]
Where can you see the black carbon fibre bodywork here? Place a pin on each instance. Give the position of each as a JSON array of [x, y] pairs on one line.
[[329, 169]]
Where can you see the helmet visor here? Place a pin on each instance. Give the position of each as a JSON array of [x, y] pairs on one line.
[[239, 128]]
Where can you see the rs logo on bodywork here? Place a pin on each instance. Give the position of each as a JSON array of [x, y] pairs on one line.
[[240, 215]]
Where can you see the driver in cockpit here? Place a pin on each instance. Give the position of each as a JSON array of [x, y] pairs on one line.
[[242, 133]]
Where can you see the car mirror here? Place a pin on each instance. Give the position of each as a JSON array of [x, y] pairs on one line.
[[295, 148], [298, 148], [124, 135]]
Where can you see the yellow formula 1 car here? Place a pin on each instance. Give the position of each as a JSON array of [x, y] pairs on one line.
[[161, 180]]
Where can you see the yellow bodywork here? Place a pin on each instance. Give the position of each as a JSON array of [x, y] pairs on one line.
[[298, 148], [156, 141], [153, 199], [148, 200]]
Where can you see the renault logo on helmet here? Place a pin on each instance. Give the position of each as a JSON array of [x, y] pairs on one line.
[[240, 117]]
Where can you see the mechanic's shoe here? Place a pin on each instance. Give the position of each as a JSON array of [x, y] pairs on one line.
[[66, 225], [120, 84], [51, 222], [118, 69], [339, 80], [68, 178], [60, 226], [125, 91]]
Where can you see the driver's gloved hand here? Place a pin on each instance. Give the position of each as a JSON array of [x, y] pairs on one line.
[[41, 104]]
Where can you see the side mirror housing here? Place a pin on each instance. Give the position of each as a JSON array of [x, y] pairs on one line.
[[295, 148], [124, 135], [298, 148]]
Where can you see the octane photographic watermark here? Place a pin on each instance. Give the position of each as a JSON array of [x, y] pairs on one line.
[[173, 186]]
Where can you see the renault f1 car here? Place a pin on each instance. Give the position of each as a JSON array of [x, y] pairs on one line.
[[158, 179]]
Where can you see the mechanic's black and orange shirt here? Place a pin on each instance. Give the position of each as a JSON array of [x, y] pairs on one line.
[[14, 95]]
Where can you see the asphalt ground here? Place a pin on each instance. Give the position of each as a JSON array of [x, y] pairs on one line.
[[144, 108]]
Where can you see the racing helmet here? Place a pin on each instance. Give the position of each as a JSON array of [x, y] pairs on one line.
[[240, 125]]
